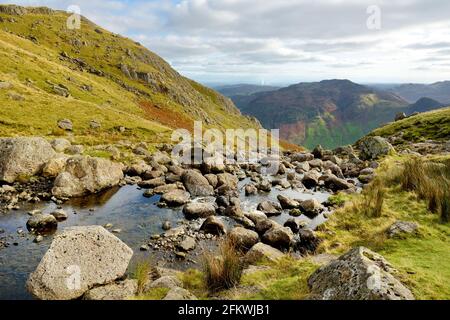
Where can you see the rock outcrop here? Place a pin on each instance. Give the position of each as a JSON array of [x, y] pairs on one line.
[[23, 157], [84, 175], [360, 274], [371, 148]]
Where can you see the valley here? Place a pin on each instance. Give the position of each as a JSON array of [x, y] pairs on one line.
[[97, 204]]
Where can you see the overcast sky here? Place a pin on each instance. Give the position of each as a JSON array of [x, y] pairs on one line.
[[284, 41]]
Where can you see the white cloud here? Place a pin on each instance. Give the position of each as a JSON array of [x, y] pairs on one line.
[[284, 40]]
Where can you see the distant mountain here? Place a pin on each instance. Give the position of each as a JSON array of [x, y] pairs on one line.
[[330, 112], [424, 105], [243, 89], [439, 91]]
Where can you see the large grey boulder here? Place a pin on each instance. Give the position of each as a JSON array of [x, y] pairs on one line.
[[360, 274], [78, 260], [84, 175], [196, 184], [371, 148], [262, 252], [23, 156]]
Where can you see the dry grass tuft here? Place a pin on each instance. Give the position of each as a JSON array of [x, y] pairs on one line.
[[223, 271]]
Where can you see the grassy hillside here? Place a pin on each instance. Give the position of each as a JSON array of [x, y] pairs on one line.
[[109, 79], [433, 125]]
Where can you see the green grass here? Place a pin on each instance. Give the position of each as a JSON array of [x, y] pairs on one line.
[[421, 259], [284, 280], [153, 294]]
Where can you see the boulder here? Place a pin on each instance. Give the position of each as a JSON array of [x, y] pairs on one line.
[[243, 239], [65, 124], [213, 225], [153, 183], [85, 175], [263, 225], [165, 188], [179, 294], [212, 179], [196, 210], [302, 167], [60, 215], [311, 179], [372, 148], [213, 165], [278, 237], [42, 223], [116, 291], [187, 244], [311, 208], [227, 179], [402, 228], [265, 186], [79, 259], [307, 242], [360, 274], [294, 224], [400, 116], [262, 252], [74, 150], [60, 144], [196, 184], [94, 124], [255, 216], [176, 198], [287, 203], [138, 168], [250, 189], [318, 152], [334, 183], [270, 208], [167, 282], [23, 157], [302, 157]]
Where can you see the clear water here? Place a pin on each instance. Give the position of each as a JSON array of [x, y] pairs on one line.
[[126, 208]]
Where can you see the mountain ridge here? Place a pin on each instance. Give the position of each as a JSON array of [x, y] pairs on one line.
[[330, 112], [49, 72]]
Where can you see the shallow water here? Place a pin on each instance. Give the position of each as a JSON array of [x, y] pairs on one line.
[[126, 208]]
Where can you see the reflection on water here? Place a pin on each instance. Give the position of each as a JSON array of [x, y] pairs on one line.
[[126, 209]]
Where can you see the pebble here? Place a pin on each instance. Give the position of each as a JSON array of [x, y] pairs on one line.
[[108, 226], [116, 231], [38, 239], [167, 225], [144, 248]]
